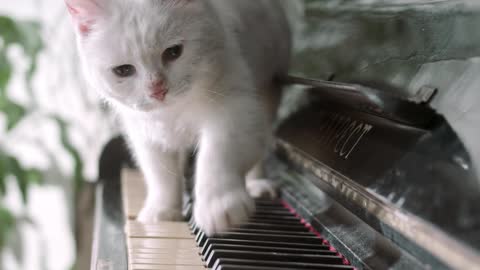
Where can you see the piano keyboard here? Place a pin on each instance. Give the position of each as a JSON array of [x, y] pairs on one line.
[[274, 238]]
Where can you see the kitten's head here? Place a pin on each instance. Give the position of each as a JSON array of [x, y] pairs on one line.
[[146, 54]]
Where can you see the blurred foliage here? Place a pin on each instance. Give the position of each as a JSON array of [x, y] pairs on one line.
[[7, 224], [26, 35], [78, 177]]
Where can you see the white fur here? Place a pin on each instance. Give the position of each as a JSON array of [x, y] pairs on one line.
[[221, 96]]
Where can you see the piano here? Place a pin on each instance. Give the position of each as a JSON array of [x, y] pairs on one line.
[[371, 176], [369, 180]]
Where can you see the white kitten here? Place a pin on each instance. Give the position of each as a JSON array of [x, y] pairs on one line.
[[182, 73]]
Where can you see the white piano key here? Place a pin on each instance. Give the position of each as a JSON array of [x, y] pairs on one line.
[[165, 267], [134, 192], [163, 251], [165, 260], [179, 230], [135, 243], [172, 255], [159, 246]]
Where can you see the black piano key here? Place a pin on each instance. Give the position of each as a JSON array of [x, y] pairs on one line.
[[261, 203], [212, 241], [201, 238], [273, 238], [264, 237], [273, 220], [192, 224], [266, 231], [272, 208], [260, 264], [273, 212], [272, 226], [250, 267], [278, 218], [271, 256], [254, 248]]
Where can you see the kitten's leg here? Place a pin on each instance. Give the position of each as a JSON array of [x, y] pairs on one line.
[[258, 186], [221, 198], [164, 182]]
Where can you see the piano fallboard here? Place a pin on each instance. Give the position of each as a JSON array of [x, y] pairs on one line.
[[411, 181]]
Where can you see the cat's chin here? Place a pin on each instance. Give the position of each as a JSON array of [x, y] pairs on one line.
[[150, 106]]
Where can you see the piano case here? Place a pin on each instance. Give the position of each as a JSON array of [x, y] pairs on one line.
[[383, 179]]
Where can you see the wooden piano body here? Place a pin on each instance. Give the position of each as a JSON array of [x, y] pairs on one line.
[[376, 174]]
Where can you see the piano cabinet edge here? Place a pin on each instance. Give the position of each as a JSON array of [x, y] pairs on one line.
[[362, 246]]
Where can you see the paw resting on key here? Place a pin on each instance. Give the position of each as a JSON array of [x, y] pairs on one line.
[[262, 189], [218, 213], [153, 214]]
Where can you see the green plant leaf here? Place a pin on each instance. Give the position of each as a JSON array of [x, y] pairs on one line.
[[13, 112], [8, 30], [7, 224], [3, 176], [78, 163], [5, 72], [26, 34], [21, 177], [24, 177], [34, 177]]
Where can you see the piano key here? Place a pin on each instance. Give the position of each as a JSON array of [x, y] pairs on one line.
[[264, 237], [249, 267], [273, 212], [279, 207], [276, 202], [176, 255], [133, 192], [266, 226], [162, 251], [200, 238], [254, 248], [290, 233], [165, 267], [141, 243], [212, 241], [235, 264], [273, 217], [164, 260], [272, 226], [270, 220], [167, 257], [271, 256], [177, 230]]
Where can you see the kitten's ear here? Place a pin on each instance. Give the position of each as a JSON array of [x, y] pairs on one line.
[[84, 13]]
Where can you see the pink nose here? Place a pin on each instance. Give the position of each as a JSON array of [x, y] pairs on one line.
[[159, 90]]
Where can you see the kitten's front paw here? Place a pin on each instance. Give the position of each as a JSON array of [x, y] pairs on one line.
[[152, 215], [218, 213], [262, 189]]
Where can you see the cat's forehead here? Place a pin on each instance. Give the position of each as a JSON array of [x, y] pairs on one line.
[[154, 21], [142, 29]]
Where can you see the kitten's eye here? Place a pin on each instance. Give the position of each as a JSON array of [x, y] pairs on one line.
[[124, 71], [173, 53]]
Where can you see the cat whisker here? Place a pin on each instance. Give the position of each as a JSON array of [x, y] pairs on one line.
[[196, 147], [217, 93]]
